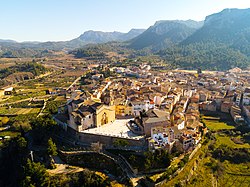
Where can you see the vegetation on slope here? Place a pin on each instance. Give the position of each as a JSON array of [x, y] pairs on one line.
[[211, 56]]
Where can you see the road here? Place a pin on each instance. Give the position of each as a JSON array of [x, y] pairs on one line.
[[74, 83]]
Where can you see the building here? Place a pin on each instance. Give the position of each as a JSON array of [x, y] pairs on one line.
[[97, 76], [8, 91], [235, 112], [162, 138], [85, 114], [246, 113], [246, 97], [226, 106], [152, 118]]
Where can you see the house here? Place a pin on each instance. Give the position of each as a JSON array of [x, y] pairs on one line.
[[235, 70], [246, 113], [226, 106], [238, 99], [246, 97], [235, 112], [9, 91], [56, 91], [1, 92], [120, 110], [162, 138], [209, 106], [152, 118], [97, 76], [187, 141], [195, 98], [139, 105], [203, 96]]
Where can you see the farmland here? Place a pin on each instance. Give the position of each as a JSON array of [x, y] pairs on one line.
[[206, 168]]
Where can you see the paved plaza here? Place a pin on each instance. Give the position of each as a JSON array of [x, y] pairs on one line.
[[118, 129]]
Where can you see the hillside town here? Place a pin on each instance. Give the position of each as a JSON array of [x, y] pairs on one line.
[[152, 110], [125, 94]]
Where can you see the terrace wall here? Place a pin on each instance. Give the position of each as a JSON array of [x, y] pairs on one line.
[[88, 138]]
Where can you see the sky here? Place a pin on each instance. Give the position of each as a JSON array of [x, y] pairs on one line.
[[61, 20]]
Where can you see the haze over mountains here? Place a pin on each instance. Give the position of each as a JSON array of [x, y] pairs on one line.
[[88, 37], [222, 37], [228, 26]]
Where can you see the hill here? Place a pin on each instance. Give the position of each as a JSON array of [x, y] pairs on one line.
[[94, 37], [223, 42], [209, 56], [164, 34], [12, 49], [230, 27]]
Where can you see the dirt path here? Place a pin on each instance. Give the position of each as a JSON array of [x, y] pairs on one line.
[[61, 167], [64, 168]]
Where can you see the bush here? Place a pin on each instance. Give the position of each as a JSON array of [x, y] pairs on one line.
[[22, 125], [5, 120]]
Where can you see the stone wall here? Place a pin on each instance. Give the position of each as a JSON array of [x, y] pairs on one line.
[[88, 138], [106, 140]]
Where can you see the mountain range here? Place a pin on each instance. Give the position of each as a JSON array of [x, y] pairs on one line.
[[88, 37], [223, 34], [164, 34]]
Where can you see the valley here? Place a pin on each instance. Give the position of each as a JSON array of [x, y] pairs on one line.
[[164, 106]]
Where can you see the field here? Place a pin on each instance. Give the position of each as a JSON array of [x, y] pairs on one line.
[[9, 133], [22, 95], [222, 139], [218, 121], [17, 111], [204, 170]]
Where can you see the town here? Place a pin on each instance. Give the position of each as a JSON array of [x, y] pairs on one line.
[[152, 110], [112, 110], [125, 94]]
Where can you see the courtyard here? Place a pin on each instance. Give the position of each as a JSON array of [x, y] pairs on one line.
[[118, 128]]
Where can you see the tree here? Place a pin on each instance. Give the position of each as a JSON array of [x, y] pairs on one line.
[[43, 128], [35, 175], [52, 149], [14, 155], [120, 143], [5, 120], [22, 125]]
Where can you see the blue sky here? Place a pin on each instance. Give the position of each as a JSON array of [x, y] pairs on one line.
[[58, 20]]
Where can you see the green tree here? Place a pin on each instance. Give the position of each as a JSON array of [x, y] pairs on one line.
[[14, 155], [22, 125], [120, 143], [43, 128], [52, 149], [35, 175]]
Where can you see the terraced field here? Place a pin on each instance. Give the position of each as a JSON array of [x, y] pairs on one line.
[[206, 170], [18, 111]]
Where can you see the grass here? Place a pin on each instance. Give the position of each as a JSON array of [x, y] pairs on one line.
[[219, 121], [60, 98], [186, 170], [231, 175], [204, 176], [18, 111], [8, 111], [222, 139], [23, 96], [216, 125], [10, 133]]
